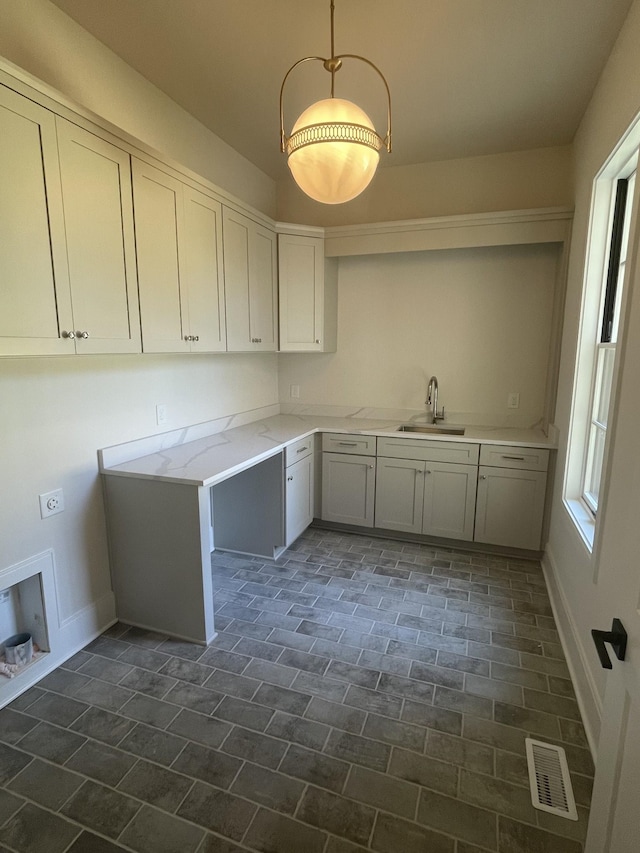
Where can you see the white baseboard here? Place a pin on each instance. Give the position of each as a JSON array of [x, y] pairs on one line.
[[587, 695]]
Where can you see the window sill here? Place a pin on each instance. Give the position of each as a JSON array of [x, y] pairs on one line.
[[583, 520]]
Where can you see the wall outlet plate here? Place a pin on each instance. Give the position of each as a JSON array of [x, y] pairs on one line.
[[162, 416], [513, 400], [5, 595], [51, 503]]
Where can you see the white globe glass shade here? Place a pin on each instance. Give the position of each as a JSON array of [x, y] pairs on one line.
[[333, 170]]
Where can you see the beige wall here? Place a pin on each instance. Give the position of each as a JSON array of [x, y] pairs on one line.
[[480, 319], [56, 412], [39, 38], [511, 181], [615, 103]]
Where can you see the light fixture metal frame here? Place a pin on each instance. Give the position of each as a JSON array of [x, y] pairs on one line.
[[334, 131]]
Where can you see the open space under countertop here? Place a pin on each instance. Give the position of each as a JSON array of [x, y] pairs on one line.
[[216, 457]]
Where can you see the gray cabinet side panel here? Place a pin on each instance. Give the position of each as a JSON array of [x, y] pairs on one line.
[[159, 552]]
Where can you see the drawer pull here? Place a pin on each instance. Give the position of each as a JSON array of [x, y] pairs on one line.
[[348, 443], [515, 458], [300, 449]]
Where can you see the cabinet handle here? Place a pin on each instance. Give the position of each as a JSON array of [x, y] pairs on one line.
[[371, 466], [196, 337], [483, 477], [289, 478], [347, 443], [427, 472], [70, 335], [516, 458], [317, 340], [256, 340], [188, 338], [300, 449], [83, 335], [419, 471]]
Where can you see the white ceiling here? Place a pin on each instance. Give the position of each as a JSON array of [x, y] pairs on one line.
[[467, 77]]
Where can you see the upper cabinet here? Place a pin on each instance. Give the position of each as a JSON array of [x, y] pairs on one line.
[[250, 277], [179, 250], [98, 220], [307, 295], [66, 254]]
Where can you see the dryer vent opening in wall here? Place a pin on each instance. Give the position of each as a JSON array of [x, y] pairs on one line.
[[549, 779]]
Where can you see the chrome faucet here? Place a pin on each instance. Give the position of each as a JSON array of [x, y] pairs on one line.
[[432, 400]]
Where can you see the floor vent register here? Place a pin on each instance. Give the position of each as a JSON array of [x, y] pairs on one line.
[[549, 779]]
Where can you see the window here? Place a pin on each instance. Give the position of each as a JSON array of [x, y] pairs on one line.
[[606, 342], [600, 323]]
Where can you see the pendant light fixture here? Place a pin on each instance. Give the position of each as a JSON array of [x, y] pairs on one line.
[[333, 147]]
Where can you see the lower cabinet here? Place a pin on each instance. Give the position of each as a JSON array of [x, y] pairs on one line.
[[348, 478], [434, 498], [494, 494], [511, 496], [299, 489]]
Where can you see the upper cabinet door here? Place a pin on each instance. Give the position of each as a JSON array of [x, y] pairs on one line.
[[250, 284], [263, 291], [35, 305], [98, 217], [301, 292], [159, 220], [205, 274]]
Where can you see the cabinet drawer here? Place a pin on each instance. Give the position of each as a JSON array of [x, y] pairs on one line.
[[298, 450], [346, 443], [429, 451], [524, 458]]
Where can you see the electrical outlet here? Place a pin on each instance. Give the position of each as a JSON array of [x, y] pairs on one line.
[[513, 400], [162, 415], [51, 503], [294, 391]]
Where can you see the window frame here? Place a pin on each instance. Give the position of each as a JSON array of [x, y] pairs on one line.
[[605, 344], [621, 164]]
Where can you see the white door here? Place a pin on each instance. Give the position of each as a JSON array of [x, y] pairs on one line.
[[159, 220], [301, 292], [299, 498], [98, 218], [614, 825], [35, 302], [205, 275]]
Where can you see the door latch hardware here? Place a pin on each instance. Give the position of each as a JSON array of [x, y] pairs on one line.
[[617, 639]]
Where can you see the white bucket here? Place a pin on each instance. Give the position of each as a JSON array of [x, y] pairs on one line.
[[19, 649]]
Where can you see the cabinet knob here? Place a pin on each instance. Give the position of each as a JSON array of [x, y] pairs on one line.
[[317, 340], [371, 466], [419, 471], [290, 478], [196, 338], [83, 335], [483, 477], [70, 335], [427, 472], [187, 337]]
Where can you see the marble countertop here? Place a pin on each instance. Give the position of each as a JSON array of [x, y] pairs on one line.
[[213, 458]]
